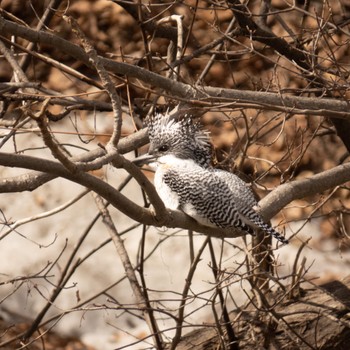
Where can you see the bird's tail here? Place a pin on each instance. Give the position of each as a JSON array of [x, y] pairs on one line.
[[251, 218], [271, 231]]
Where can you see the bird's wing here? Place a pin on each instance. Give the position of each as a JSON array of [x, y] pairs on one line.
[[209, 199]]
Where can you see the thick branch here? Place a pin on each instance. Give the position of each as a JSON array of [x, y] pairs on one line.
[[294, 104], [109, 193], [35, 179], [84, 179], [319, 317], [269, 206], [286, 193], [300, 57]]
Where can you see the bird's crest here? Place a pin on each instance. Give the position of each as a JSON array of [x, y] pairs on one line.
[[163, 125]]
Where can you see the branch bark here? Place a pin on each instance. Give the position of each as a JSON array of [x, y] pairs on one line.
[[142, 302], [255, 32], [286, 193], [320, 317], [269, 206], [109, 193], [333, 108]]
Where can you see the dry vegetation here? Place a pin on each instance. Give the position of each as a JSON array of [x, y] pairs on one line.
[[269, 79]]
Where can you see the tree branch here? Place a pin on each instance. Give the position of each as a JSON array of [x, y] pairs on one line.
[[268, 207], [151, 25], [109, 193], [271, 204], [94, 159], [255, 32], [105, 79], [333, 108], [142, 302]]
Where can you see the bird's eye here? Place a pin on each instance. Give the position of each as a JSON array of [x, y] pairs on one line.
[[163, 148]]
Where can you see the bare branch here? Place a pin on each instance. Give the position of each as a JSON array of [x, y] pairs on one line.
[[53, 146], [14, 64], [251, 72], [143, 304], [109, 193], [46, 214], [106, 81], [286, 193], [333, 108], [150, 25], [96, 159]]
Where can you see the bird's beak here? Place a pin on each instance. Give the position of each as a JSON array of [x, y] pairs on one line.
[[144, 159]]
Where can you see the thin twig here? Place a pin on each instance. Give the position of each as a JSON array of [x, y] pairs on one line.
[[334, 108], [57, 151], [232, 338], [179, 42], [105, 79], [46, 214], [143, 303], [184, 295], [13, 62]]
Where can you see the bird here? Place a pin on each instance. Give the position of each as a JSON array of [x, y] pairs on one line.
[[185, 180]]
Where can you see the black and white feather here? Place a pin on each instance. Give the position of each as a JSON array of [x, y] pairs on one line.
[[185, 180]]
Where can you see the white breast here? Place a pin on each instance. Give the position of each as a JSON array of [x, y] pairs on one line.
[[170, 198], [165, 164]]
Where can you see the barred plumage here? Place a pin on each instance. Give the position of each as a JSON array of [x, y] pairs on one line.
[[186, 181]]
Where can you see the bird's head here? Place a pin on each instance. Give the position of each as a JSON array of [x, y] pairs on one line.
[[181, 138]]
